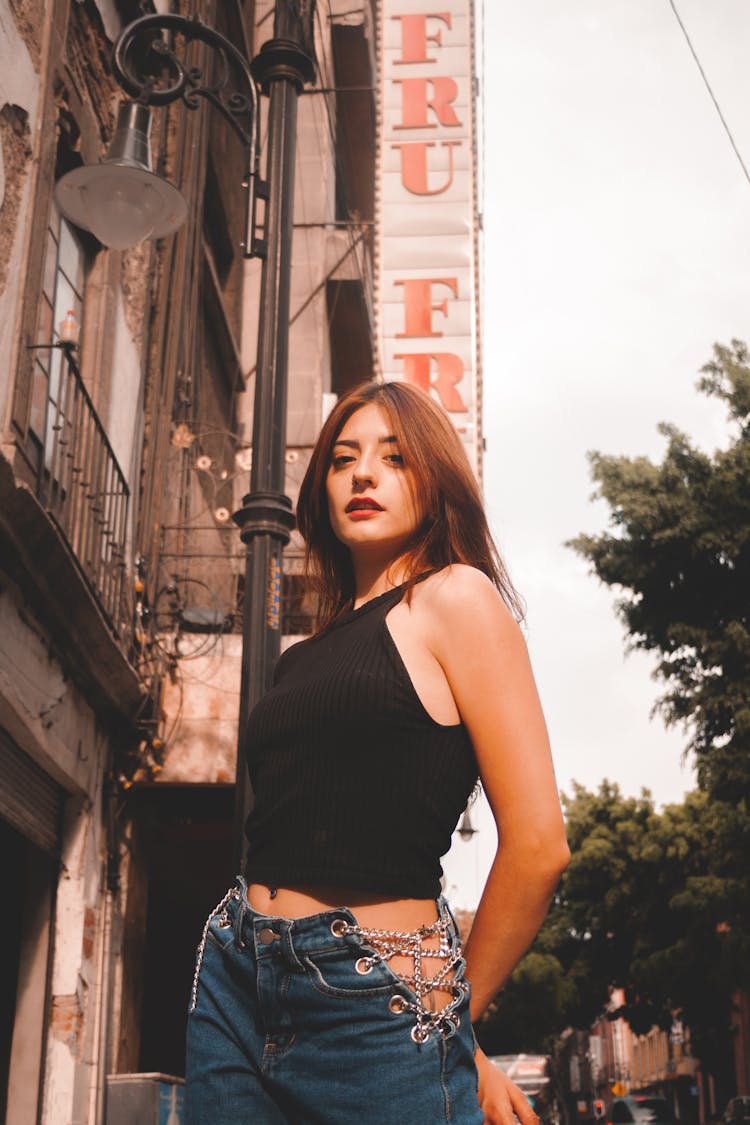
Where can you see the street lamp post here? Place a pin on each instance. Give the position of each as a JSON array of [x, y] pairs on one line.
[[131, 203], [283, 65]]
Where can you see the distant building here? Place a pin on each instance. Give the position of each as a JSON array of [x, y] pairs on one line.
[[659, 1063]]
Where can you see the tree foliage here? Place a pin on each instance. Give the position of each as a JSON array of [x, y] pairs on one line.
[[658, 903], [641, 907], [644, 907], [532, 1009], [678, 552]]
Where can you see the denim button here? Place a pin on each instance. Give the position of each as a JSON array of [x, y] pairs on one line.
[[397, 1004], [363, 965], [338, 927], [267, 936]]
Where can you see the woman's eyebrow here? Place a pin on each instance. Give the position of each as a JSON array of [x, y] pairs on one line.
[[390, 439]]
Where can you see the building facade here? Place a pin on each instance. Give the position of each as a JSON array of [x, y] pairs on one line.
[[107, 358], [610, 1060], [70, 693]]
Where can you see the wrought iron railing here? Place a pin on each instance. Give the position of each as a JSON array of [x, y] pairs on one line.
[[83, 488]]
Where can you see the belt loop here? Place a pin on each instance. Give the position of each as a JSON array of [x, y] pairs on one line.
[[290, 953]]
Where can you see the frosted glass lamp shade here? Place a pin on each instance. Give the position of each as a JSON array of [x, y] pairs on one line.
[[120, 204], [121, 200]]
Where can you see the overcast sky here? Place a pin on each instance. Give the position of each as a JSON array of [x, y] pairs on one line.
[[616, 251]]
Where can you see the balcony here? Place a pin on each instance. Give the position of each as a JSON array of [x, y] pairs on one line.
[[82, 487]]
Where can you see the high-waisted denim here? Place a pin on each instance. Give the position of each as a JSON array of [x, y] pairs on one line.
[[283, 1030]]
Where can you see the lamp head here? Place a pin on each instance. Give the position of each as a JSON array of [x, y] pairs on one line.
[[121, 200]]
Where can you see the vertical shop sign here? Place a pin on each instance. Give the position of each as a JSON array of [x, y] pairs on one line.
[[428, 277]]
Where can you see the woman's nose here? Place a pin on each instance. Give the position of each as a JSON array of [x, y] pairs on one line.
[[365, 470], [362, 477]]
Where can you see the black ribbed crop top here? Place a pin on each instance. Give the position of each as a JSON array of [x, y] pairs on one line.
[[356, 785]]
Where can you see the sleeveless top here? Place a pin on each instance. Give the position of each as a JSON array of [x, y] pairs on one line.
[[355, 784]]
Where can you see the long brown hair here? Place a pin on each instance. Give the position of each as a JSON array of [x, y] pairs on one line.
[[455, 528]]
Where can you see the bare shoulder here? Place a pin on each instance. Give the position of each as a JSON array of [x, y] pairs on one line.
[[461, 599], [458, 588]]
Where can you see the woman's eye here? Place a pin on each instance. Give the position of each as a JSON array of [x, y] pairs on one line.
[[340, 460], [395, 459]]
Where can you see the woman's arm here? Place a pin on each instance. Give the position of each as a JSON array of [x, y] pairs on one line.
[[484, 656]]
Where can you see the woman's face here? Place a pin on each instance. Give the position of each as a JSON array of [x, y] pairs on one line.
[[371, 502]]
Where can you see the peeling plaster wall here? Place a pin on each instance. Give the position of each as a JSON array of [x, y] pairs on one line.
[[29, 19], [19, 80], [15, 152], [88, 65], [50, 718], [202, 717], [125, 398], [135, 284], [39, 705], [71, 1065], [110, 18], [19, 103]]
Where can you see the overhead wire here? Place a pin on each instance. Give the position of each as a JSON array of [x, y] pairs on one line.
[[723, 120]]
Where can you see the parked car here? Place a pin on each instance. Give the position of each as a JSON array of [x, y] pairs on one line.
[[640, 1109], [737, 1111]]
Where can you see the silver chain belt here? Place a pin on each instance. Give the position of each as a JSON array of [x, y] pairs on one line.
[[232, 893], [386, 944], [389, 943]]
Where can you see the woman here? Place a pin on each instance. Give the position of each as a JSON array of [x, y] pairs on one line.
[[332, 988]]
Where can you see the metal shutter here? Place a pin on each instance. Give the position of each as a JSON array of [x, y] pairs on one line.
[[29, 800]]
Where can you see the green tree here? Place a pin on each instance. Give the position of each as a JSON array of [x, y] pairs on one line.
[[678, 552], [531, 1011], [696, 953], [596, 924], [642, 909], [637, 909]]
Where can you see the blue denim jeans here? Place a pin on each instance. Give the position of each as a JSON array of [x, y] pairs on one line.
[[283, 1030]]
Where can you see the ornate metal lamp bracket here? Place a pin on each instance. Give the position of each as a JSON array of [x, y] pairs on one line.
[[149, 69]]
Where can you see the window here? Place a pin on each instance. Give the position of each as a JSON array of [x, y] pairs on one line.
[[350, 335], [355, 123], [77, 477], [62, 291]]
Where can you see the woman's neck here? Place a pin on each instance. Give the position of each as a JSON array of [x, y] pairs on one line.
[[374, 579]]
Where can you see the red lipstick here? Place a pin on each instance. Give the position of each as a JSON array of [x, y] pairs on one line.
[[363, 504]]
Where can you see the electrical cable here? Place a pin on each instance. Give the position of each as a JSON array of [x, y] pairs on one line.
[[708, 87]]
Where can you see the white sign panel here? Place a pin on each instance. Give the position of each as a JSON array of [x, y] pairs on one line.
[[428, 279]]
